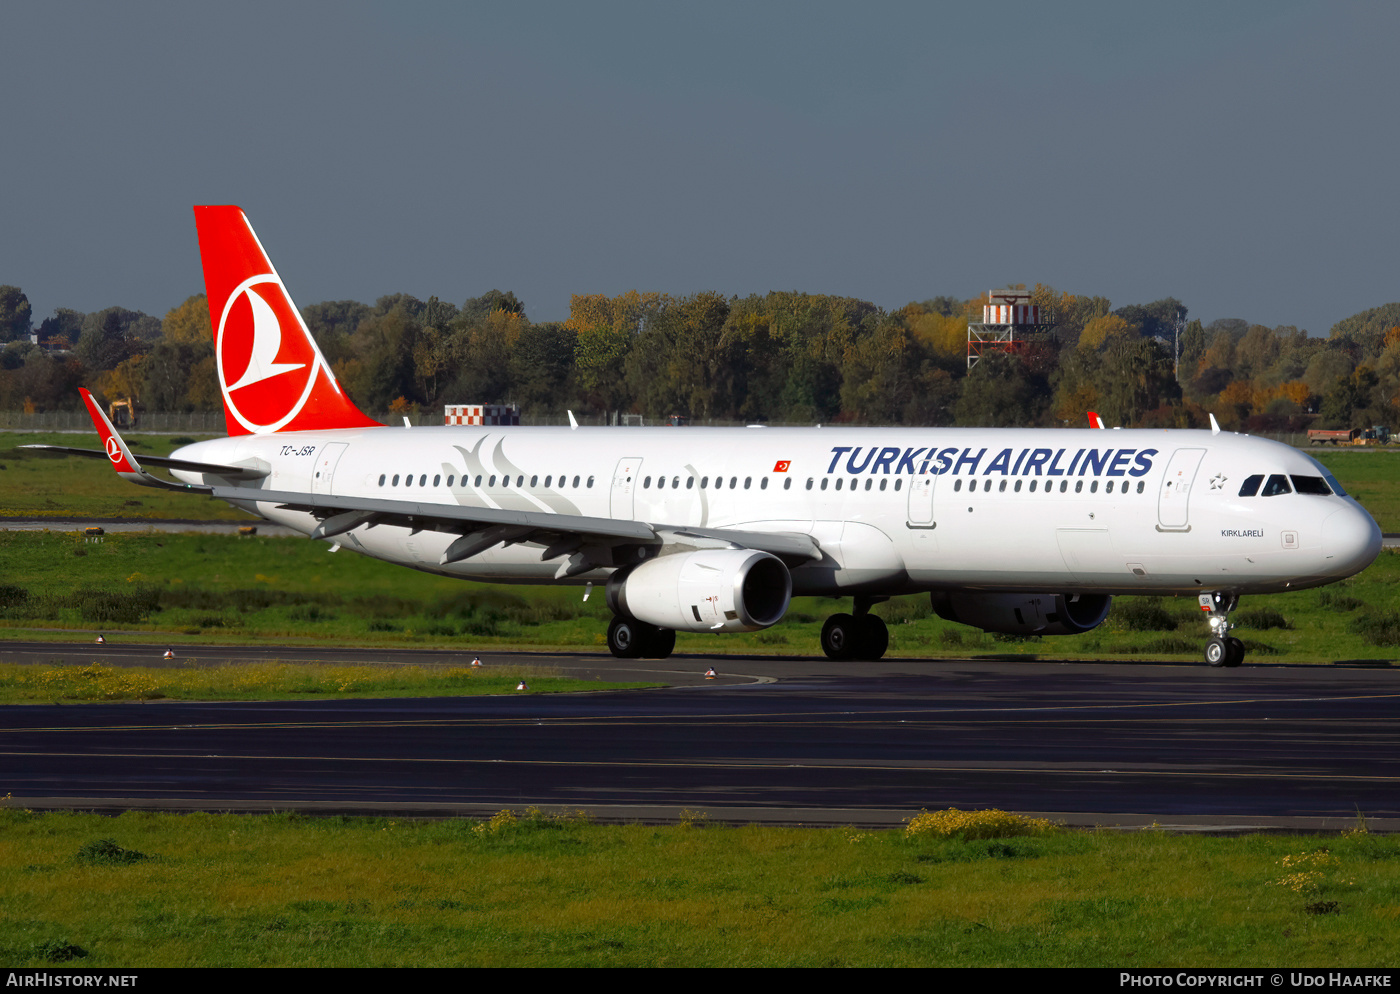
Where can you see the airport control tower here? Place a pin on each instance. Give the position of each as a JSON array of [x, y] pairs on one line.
[[1009, 320]]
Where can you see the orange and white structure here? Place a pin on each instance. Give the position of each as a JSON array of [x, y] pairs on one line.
[[1006, 314], [486, 415]]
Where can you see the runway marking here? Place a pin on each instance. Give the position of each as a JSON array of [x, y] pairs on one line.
[[792, 717], [615, 764]]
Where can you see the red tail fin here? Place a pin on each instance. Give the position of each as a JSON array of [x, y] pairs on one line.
[[273, 376]]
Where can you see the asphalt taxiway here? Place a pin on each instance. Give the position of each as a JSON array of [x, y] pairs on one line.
[[775, 739]]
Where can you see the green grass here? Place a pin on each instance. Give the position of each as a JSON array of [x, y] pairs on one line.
[[44, 485], [188, 588], [277, 681], [541, 890]]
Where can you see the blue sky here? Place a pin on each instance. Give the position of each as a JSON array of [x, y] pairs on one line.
[[1238, 156]]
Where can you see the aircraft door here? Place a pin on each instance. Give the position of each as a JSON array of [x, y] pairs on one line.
[[324, 473], [921, 501], [1172, 503], [624, 487]]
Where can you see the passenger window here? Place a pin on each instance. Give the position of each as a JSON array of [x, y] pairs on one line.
[[733, 482], [1277, 484], [898, 483], [839, 481], [763, 483], [1033, 486], [957, 485], [1108, 487], [1078, 486], [492, 481], [869, 483], [1094, 487], [408, 480], [396, 479], [1064, 485], [423, 480], [823, 483], [690, 483], [704, 482], [1311, 485], [883, 484], [1140, 486], [1001, 487], [590, 483], [1250, 487], [1018, 486], [437, 479], [987, 487], [809, 483], [787, 484], [381, 479], [478, 479], [747, 481]]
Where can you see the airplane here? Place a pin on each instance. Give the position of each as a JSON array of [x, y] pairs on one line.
[[1016, 531]]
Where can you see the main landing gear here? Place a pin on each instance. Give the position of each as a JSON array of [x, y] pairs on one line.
[[630, 639], [1223, 649], [859, 636]]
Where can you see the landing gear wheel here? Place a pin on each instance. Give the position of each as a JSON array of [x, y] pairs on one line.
[[661, 642], [874, 637], [1235, 651], [1217, 652], [840, 637], [630, 639], [626, 639]]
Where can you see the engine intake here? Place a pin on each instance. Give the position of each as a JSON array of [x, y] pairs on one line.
[[720, 590], [1024, 614]]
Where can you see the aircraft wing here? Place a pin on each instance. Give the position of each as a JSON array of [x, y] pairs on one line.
[[482, 528]]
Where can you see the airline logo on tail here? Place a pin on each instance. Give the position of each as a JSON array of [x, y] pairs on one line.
[[273, 376]]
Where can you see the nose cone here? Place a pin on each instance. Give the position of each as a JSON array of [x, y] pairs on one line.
[[1351, 540]]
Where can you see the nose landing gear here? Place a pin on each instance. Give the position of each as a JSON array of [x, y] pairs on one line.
[[1223, 649]]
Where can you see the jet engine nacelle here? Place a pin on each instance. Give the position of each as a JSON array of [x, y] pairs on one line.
[[712, 590], [1024, 614]]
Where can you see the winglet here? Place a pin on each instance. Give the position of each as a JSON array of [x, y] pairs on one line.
[[1214, 425], [1095, 421], [123, 459]]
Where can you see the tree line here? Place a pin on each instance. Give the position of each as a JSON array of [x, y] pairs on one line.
[[782, 357]]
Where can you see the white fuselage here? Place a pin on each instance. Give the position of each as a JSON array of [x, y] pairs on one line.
[[894, 510]]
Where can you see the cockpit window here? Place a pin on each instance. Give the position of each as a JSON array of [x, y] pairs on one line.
[[1250, 487], [1311, 485], [1277, 484]]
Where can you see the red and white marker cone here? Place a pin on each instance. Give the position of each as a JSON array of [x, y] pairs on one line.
[[169, 654], [522, 686], [710, 673], [476, 662], [100, 640]]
